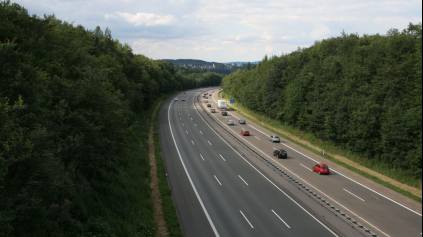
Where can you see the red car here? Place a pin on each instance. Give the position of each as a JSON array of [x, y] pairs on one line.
[[245, 132], [321, 169]]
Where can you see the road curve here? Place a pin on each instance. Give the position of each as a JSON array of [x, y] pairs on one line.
[[217, 192], [360, 198]]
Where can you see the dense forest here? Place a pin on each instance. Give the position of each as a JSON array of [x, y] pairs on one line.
[[74, 118], [363, 93]]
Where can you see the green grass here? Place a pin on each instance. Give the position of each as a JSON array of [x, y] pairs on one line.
[[396, 174], [168, 205]]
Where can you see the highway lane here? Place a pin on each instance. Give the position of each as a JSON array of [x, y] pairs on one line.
[[377, 212], [238, 199]]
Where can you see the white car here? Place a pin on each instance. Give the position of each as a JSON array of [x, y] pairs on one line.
[[275, 139], [176, 99]]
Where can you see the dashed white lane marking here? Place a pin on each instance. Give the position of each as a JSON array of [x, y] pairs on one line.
[[409, 209], [195, 124], [201, 132], [243, 180], [354, 195], [218, 180], [183, 125], [192, 119], [193, 142], [190, 179], [306, 167], [210, 143], [274, 148], [342, 206], [313, 186], [202, 157], [258, 138], [362, 185], [222, 157], [186, 132], [264, 176], [246, 219], [281, 219]]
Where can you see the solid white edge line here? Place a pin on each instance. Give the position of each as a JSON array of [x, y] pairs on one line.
[[243, 180], [364, 186], [265, 176], [316, 188], [190, 179], [246, 219], [399, 204], [281, 219], [354, 195]]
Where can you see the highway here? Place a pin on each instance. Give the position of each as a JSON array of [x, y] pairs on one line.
[[383, 211], [217, 191]]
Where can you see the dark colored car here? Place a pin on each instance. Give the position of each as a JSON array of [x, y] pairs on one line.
[[209, 106], [280, 154], [321, 169], [242, 121], [224, 113], [184, 100]]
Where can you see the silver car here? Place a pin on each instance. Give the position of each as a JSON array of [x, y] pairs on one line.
[[231, 122], [213, 111], [275, 139]]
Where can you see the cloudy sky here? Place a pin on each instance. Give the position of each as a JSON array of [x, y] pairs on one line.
[[229, 30]]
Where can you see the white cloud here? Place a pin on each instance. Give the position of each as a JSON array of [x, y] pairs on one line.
[[229, 30], [320, 31], [148, 19]]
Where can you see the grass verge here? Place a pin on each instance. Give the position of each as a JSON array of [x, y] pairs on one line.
[[168, 205], [314, 141]]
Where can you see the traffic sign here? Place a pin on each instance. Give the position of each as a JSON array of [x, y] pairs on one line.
[[232, 101]]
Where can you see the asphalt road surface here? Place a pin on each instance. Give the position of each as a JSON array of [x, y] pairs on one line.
[[385, 212], [218, 192]]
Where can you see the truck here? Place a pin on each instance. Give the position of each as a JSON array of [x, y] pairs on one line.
[[222, 105]]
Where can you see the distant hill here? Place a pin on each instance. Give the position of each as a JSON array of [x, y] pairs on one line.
[[242, 63], [221, 68]]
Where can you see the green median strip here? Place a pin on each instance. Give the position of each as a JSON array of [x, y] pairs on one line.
[[371, 177]]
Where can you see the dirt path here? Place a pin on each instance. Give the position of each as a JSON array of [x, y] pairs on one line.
[[159, 217], [393, 182]]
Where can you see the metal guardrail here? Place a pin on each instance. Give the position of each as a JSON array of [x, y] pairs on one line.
[[309, 192]]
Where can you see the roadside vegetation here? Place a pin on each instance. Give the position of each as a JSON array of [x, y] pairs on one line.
[[168, 204], [311, 143], [75, 112], [358, 97]]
